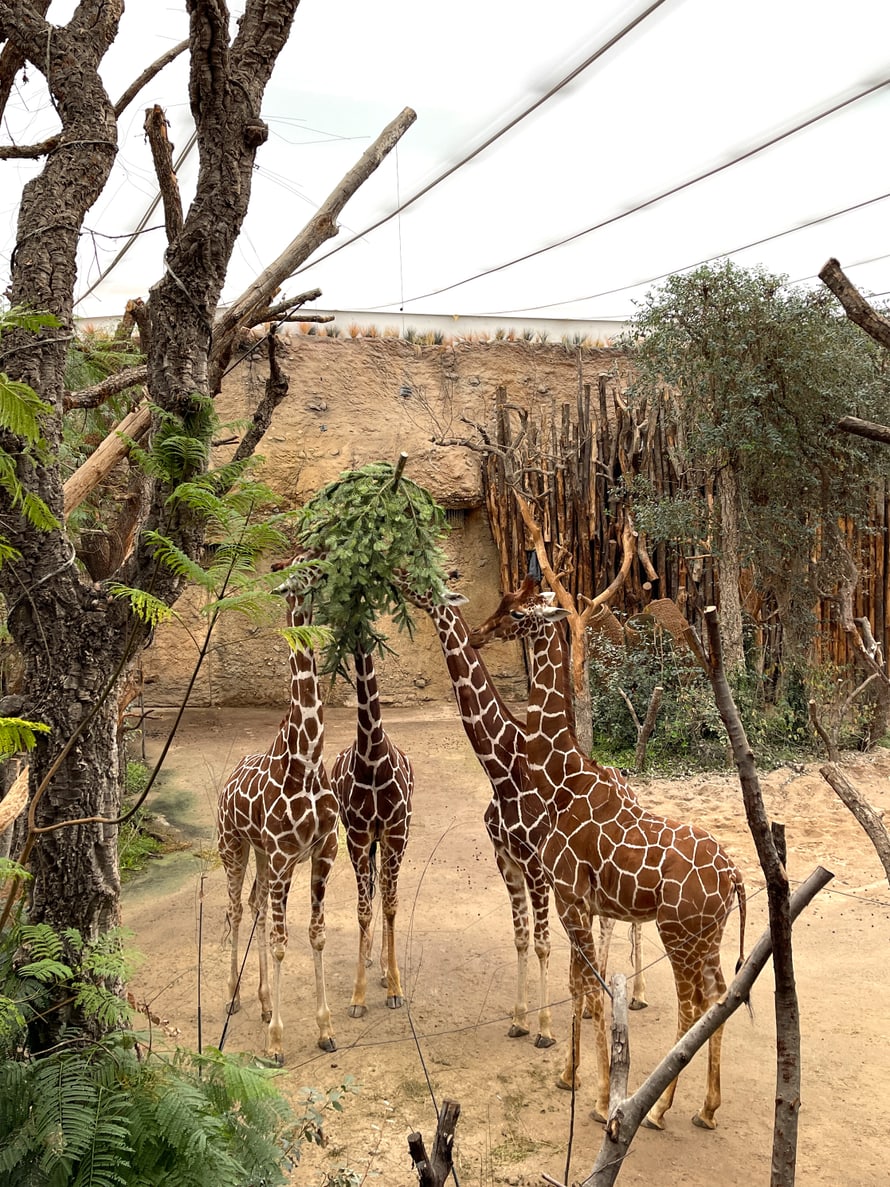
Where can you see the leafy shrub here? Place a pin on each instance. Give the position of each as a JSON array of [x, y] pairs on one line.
[[120, 1112]]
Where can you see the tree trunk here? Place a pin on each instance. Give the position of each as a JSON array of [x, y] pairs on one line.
[[730, 569]]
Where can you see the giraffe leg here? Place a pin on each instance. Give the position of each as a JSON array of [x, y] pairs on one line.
[[638, 1000], [258, 903], [515, 884], [705, 1118], [322, 861], [607, 927], [540, 899], [390, 864], [359, 852], [235, 862], [278, 943], [584, 970]]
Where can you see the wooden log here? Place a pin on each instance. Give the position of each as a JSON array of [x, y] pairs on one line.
[[434, 1170], [871, 821], [102, 461]]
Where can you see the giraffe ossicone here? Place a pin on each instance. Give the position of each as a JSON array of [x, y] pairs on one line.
[[280, 806], [605, 854]]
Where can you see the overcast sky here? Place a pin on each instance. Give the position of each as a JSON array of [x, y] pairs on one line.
[[693, 86]]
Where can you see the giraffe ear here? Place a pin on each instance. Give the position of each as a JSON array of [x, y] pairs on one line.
[[453, 598], [548, 596], [554, 613]]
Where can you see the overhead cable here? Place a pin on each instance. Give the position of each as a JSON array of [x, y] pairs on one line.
[[676, 189]]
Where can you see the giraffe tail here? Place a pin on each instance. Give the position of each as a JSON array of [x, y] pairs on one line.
[[742, 897], [372, 857]]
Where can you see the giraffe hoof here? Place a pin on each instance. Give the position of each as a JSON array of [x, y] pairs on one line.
[[356, 1011], [566, 1085], [651, 1123], [596, 1115], [517, 1032], [544, 1041], [638, 1003], [703, 1123], [266, 1015], [394, 1002], [276, 1058], [233, 1006], [327, 1044]]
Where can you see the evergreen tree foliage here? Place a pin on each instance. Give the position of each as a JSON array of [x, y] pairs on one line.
[[756, 374]]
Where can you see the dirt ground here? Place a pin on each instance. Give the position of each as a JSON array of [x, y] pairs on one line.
[[456, 953]]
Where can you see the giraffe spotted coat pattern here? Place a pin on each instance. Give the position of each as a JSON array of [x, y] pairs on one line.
[[374, 782], [516, 818], [607, 854], [280, 805]]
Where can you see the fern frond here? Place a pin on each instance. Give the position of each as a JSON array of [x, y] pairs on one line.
[[37, 513], [42, 941], [177, 561], [18, 735], [145, 606], [21, 409]]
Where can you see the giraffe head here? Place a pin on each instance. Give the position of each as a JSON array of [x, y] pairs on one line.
[[519, 614], [304, 573], [426, 599]]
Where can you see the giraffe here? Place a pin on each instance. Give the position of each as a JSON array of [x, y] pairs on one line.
[[280, 805], [373, 781], [516, 818], [606, 854]]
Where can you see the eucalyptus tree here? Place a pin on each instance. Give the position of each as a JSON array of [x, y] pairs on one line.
[[75, 632], [757, 373]]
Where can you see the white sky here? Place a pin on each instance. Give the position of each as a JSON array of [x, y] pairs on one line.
[[697, 83]]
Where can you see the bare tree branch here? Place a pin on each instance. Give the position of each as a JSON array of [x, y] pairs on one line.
[[865, 428], [871, 820], [147, 75], [626, 1117], [855, 305], [155, 127], [113, 385], [322, 227]]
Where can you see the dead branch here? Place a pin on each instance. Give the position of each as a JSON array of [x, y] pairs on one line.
[[113, 385], [323, 226], [155, 128], [147, 75], [855, 305], [787, 1010], [865, 428], [432, 1172], [626, 1117], [871, 821], [105, 457], [276, 389], [274, 311]]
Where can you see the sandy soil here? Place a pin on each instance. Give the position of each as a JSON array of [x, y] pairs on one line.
[[458, 968]]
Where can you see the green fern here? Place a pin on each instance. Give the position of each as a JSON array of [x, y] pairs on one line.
[[18, 735], [21, 409], [148, 609]]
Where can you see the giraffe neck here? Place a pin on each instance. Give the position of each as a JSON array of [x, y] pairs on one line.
[[550, 720], [302, 732], [483, 712], [370, 734]]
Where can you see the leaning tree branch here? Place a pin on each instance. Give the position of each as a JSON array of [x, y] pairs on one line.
[[626, 1116], [865, 428], [323, 226], [147, 75], [855, 305], [787, 1010], [276, 389], [871, 820], [113, 385], [275, 311]]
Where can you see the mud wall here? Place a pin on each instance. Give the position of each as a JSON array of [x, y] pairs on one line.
[[353, 401]]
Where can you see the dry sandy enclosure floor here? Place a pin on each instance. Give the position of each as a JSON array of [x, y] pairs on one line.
[[455, 946]]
